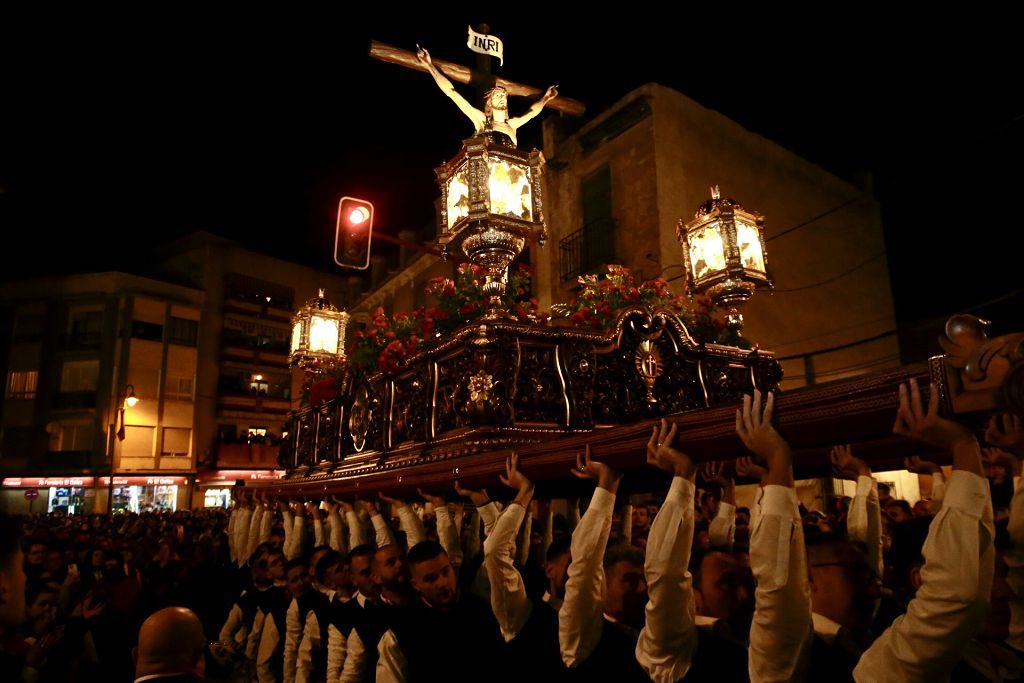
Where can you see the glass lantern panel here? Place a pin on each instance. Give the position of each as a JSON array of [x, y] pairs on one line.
[[749, 242], [707, 251], [323, 335], [296, 336], [510, 190], [458, 195]]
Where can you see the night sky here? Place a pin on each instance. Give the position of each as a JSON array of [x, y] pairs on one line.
[[125, 130]]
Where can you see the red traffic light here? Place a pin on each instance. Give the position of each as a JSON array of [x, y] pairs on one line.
[[354, 233]]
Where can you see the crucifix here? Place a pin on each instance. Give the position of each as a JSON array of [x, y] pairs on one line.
[[494, 119]]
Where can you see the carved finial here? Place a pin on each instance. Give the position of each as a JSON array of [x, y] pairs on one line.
[[321, 294], [715, 194]]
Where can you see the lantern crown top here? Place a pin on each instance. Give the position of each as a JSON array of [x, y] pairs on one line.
[[717, 204], [320, 302]]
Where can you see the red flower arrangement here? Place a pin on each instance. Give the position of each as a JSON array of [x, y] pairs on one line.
[[600, 300]]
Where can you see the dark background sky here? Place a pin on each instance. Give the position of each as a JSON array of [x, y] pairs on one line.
[[120, 131]]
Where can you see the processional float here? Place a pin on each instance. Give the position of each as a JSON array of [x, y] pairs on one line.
[[463, 401]]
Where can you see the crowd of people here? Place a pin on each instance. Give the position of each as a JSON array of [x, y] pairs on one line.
[[684, 586]]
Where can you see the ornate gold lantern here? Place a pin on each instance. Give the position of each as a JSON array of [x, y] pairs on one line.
[[318, 335], [490, 207], [724, 254]]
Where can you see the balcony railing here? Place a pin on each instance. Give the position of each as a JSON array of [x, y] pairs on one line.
[[588, 248]]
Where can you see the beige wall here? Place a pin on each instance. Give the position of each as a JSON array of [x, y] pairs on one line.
[[662, 168]]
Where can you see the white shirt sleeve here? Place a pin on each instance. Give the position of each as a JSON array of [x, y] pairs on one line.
[[339, 651], [337, 532], [448, 536], [471, 523], [382, 531], [269, 639], [864, 522], [412, 525], [355, 530], [489, 514], [232, 626], [298, 537], [523, 540], [266, 524], [580, 620], [308, 649], [287, 521], [722, 530], [254, 531], [669, 636], [959, 563], [242, 536], [319, 538], [255, 636], [938, 491], [509, 601], [232, 520], [355, 667], [293, 635], [391, 664], [781, 632]]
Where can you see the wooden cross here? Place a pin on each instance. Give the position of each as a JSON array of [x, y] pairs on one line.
[[479, 77]]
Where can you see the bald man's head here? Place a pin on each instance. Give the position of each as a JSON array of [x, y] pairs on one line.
[[170, 641]]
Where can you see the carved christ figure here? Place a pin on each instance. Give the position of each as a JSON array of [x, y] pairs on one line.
[[494, 117]]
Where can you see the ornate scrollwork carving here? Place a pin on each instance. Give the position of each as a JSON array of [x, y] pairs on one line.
[[981, 373], [327, 432], [538, 387]]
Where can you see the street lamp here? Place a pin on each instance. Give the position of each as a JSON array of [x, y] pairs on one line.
[[724, 254], [129, 400], [318, 335], [490, 207]]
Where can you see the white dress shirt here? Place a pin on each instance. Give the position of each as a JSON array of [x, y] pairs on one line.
[[668, 639], [722, 529], [780, 635], [864, 522], [509, 601], [924, 644], [580, 620]]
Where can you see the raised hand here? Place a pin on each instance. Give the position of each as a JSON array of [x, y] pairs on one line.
[[422, 56], [515, 479], [757, 434], [312, 508], [661, 454], [436, 501], [846, 465], [606, 477], [931, 428], [918, 465], [479, 497], [551, 93], [394, 502], [747, 468], [346, 507], [1006, 431], [997, 456], [714, 473], [368, 506]]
